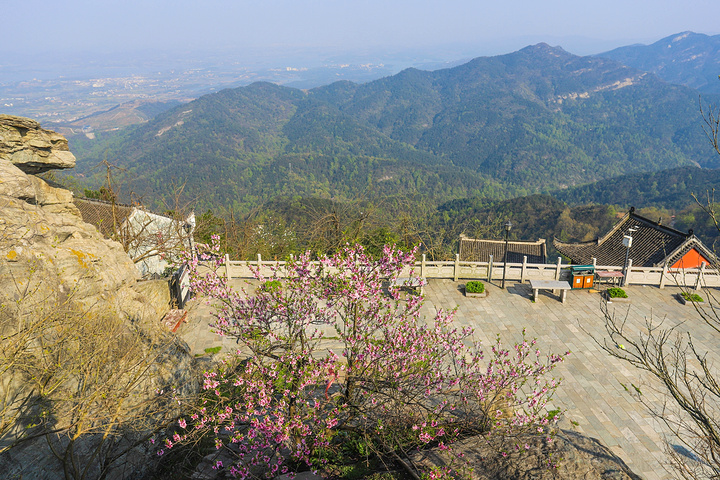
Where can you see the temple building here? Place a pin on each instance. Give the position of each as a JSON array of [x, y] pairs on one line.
[[653, 245]]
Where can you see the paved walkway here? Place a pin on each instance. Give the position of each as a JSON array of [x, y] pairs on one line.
[[592, 395]]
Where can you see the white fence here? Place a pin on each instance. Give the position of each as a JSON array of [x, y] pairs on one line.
[[489, 271]]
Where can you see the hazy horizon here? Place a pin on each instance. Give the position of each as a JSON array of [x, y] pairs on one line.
[[280, 31], [80, 63], [159, 50]]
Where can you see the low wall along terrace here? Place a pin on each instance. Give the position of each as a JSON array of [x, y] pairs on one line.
[[456, 270]]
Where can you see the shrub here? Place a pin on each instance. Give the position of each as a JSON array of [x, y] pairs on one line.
[[616, 292], [691, 297], [90, 383], [270, 286], [474, 287]]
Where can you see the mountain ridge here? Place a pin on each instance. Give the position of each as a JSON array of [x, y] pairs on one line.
[[530, 121], [685, 58]]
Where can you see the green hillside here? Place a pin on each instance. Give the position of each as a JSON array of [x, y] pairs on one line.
[[669, 189], [285, 225], [238, 148], [497, 127]]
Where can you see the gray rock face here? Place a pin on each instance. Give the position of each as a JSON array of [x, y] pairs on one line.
[[45, 245], [50, 257], [578, 457], [31, 148]]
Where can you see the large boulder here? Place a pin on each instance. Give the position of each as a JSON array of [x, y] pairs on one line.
[[479, 458], [48, 250], [32, 148]]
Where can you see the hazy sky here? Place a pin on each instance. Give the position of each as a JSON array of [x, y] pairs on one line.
[[582, 27]]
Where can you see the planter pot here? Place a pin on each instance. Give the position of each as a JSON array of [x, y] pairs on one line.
[[478, 295], [687, 302], [616, 299]]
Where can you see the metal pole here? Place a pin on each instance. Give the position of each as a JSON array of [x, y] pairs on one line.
[[508, 226], [627, 252], [627, 255]]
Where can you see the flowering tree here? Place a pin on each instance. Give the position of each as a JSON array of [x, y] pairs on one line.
[[330, 349]]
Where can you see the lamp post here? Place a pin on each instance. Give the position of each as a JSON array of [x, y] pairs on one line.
[[627, 242], [508, 226]]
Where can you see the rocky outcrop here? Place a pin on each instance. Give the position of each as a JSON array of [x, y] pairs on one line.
[[44, 244], [31, 148], [576, 456], [50, 261], [47, 248]]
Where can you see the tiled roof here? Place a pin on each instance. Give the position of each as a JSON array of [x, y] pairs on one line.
[[476, 250], [100, 214], [653, 244], [690, 243]]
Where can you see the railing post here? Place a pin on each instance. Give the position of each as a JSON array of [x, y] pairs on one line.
[[663, 275], [627, 273], [698, 283], [259, 260], [227, 266], [457, 266], [490, 268], [557, 268], [594, 262], [422, 266], [522, 272]]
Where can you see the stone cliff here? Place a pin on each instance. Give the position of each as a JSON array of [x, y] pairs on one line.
[[35, 150], [73, 313], [45, 246]]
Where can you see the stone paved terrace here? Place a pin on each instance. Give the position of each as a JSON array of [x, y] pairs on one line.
[[595, 402]]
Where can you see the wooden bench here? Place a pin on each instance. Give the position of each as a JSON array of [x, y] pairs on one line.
[[609, 277], [553, 285]]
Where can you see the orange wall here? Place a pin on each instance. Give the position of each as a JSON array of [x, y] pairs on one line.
[[691, 259]]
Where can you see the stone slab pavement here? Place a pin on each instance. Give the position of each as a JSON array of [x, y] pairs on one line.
[[592, 393]]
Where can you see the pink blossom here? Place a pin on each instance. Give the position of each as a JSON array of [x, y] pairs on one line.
[[291, 394]]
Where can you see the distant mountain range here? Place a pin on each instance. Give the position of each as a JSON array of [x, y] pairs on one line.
[[531, 121], [690, 59]]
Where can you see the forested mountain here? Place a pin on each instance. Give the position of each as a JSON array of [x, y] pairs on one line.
[[687, 58], [531, 121], [670, 189], [240, 147], [284, 225]]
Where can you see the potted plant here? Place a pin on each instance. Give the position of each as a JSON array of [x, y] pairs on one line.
[[270, 286], [475, 288], [616, 294], [687, 298]]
